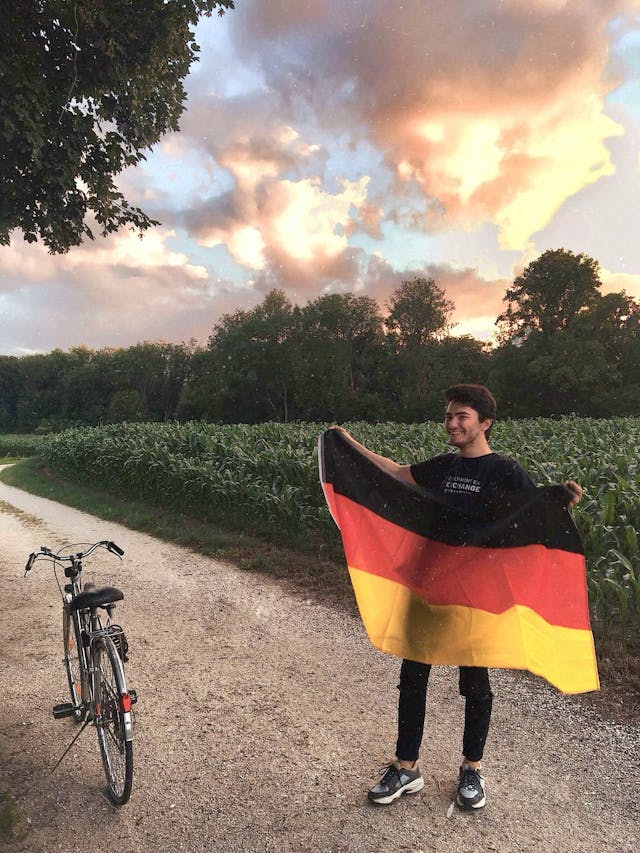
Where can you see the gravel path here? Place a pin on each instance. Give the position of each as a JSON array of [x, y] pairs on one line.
[[263, 717]]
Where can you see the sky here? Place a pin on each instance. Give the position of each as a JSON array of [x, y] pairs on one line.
[[345, 147]]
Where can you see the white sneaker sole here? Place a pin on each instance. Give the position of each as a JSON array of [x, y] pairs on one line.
[[409, 788], [467, 806]]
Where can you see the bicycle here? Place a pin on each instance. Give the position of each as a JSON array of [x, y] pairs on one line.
[[94, 657]]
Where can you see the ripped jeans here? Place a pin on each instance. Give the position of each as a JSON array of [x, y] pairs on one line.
[[474, 686]]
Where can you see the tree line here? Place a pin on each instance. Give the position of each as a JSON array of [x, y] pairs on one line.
[[562, 347]]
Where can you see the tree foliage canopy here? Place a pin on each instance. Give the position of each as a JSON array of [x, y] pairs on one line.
[[87, 86], [549, 294], [418, 312]]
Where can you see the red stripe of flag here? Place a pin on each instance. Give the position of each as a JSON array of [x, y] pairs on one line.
[[549, 581]]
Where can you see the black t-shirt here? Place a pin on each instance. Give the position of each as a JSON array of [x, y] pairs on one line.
[[464, 480]]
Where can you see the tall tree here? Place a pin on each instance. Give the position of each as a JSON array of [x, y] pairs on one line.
[[87, 86], [549, 294], [419, 312], [419, 319], [156, 372], [614, 319], [89, 380], [589, 366], [41, 401], [341, 340], [251, 371], [10, 388]]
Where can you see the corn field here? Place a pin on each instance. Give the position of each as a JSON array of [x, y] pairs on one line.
[[263, 479], [13, 445]]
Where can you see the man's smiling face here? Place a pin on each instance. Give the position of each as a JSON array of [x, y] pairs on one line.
[[464, 427]]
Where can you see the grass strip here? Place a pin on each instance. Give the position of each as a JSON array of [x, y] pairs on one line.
[[9, 818]]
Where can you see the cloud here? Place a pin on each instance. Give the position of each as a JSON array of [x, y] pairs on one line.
[[494, 109], [308, 217], [477, 301], [109, 293], [615, 282], [320, 123], [291, 228]]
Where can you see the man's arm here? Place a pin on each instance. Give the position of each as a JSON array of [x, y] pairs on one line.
[[400, 472], [523, 479]]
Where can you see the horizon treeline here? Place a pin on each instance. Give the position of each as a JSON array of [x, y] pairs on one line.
[[562, 348]]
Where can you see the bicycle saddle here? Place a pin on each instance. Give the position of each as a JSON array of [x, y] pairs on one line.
[[96, 598]]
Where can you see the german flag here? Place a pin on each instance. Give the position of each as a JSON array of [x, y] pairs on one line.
[[503, 588]]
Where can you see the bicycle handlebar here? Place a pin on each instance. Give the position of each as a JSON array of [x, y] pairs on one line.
[[72, 558]]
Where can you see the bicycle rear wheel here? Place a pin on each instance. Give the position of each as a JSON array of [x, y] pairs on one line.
[[113, 721], [72, 663]]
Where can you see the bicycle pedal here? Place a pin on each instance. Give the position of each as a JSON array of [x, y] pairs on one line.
[[133, 695], [64, 710]]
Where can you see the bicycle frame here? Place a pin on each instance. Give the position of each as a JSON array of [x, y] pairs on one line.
[[79, 621], [88, 631]]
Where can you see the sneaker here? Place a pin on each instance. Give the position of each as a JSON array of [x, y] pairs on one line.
[[394, 782], [470, 793]]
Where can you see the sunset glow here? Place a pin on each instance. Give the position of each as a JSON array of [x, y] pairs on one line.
[[328, 148]]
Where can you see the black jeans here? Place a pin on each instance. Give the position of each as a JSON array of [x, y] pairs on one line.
[[474, 686]]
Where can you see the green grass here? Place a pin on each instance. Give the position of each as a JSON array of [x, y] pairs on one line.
[[8, 816]]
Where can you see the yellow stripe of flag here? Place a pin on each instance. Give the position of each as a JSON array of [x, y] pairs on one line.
[[401, 623]]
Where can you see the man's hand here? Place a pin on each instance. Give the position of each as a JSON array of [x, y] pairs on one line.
[[576, 488], [400, 472], [342, 430]]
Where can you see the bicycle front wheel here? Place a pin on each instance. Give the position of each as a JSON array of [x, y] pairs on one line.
[[72, 663], [113, 721]]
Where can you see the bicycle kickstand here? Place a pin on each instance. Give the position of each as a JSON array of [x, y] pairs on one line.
[[59, 761]]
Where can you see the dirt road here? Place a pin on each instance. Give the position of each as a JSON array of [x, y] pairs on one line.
[[263, 718]]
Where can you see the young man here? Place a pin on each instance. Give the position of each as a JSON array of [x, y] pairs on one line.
[[465, 476]]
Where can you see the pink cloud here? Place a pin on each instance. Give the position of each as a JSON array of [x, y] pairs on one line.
[[110, 293], [495, 109]]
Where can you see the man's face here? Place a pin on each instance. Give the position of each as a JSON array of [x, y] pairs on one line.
[[463, 425]]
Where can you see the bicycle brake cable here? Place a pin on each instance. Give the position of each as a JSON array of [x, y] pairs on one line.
[[55, 574]]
